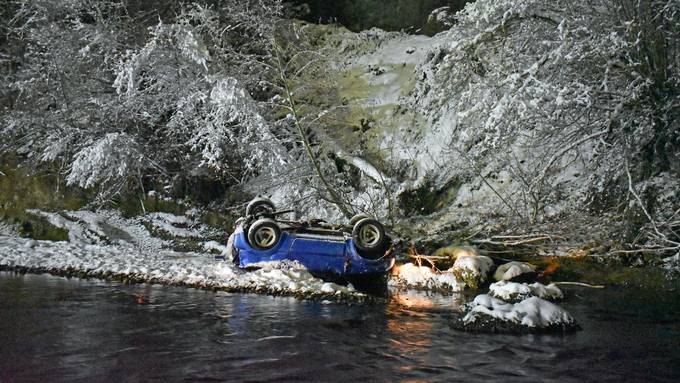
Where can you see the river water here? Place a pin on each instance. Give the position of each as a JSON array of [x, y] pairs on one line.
[[58, 329]]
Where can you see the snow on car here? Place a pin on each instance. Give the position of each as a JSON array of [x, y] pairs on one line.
[[361, 248]]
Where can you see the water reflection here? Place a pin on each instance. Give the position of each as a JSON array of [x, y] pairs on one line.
[[58, 329], [427, 300]]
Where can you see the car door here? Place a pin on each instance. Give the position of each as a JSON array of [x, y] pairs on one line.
[[319, 253]]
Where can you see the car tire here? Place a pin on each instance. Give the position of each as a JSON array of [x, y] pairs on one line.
[[259, 206], [369, 238], [233, 251], [264, 234], [356, 218]]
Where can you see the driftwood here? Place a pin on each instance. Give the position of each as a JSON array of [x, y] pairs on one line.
[[579, 284], [419, 258], [516, 240]]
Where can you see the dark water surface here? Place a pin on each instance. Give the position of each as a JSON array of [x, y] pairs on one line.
[[57, 329]]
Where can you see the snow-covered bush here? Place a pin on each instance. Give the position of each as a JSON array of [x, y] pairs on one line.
[[525, 108], [59, 75], [109, 160], [561, 97], [200, 98], [116, 107]]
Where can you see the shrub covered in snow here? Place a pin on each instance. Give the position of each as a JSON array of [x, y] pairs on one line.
[[117, 107], [542, 106], [527, 109]]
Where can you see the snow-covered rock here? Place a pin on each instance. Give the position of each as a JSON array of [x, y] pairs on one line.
[[532, 314], [449, 254], [439, 20], [514, 270], [468, 270], [473, 270], [411, 275], [511, 291]]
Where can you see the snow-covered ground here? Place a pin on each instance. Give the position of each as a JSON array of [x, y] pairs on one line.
[[128, 262], [6, 229], [104, 227], [104, 244]]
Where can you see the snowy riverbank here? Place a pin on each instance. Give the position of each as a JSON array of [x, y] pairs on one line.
[[129, 263]]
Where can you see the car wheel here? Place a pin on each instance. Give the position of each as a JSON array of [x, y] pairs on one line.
[[369, 237], [232, 250], [259, 206], [264, 234], [356, 218]]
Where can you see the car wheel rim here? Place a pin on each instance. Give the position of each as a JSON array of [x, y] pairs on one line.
[[369, 235], [265, 237]]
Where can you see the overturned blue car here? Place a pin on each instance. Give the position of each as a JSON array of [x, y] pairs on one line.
[[361, 248]]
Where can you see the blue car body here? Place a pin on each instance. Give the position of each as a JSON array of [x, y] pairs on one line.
[[318, 253]]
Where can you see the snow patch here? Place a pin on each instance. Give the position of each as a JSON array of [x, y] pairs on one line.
[[76, 232], [174, 225], [103, 227], [285, 264], [8, 230], [516, 291], [217, 247], [170, 218]]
